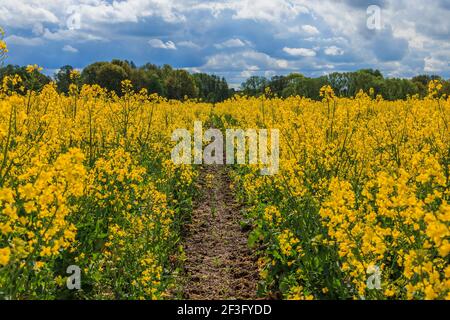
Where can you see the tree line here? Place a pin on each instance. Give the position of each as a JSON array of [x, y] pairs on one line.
[[164, 81], [180, 84], [344, 84]]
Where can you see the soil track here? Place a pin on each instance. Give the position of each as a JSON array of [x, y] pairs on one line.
[[219, 265]]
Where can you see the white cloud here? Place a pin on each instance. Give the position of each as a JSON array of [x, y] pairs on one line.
[[333, 51], [303, 31], [23, 13], [27, 13], [253, 68], [310, 30], [232, 43], [23, 41], [129, 11], [269, 73], [188, 44], [266, 10], [244, 60], [159, 44], [435, 65], [247, 73], [300, 52], [74, 35], [261, 10], [69, 48], [192, 69], [327, 26], [38, 29]]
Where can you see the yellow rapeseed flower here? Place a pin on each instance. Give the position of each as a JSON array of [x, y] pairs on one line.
[[5, 254]]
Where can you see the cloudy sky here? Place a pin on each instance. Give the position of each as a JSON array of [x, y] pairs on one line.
[[233, 38]]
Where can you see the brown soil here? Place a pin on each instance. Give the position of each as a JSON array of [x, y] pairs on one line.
[[219, 265]]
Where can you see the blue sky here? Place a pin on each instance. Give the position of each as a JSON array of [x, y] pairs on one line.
[[233, 38]]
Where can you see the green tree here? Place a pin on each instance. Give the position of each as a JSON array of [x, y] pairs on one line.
[[110, 76], [211, 88], [34, 81], [105, 74], [303, 86], [422, 80], [62, 78], [277, 84], [365, 79], [147, 79], [125, 65], [394, 88], [180, 84], [255, 86], [89, 74]]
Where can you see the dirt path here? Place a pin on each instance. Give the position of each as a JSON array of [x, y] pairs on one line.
[[219, 264]]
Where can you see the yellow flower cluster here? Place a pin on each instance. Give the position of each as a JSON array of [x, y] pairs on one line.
[[74, 74], [32, 68], [434, 87], [85, 179], [3, 47], [287, 242], [11, 84], [5, 254], [363, 182]]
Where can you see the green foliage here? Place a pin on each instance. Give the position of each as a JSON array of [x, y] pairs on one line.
[[299, 85], [105, 74], [62, 78], [346, 84], [211, 88], [34, 81], [180, 84], [255, 86], [165, 81]]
